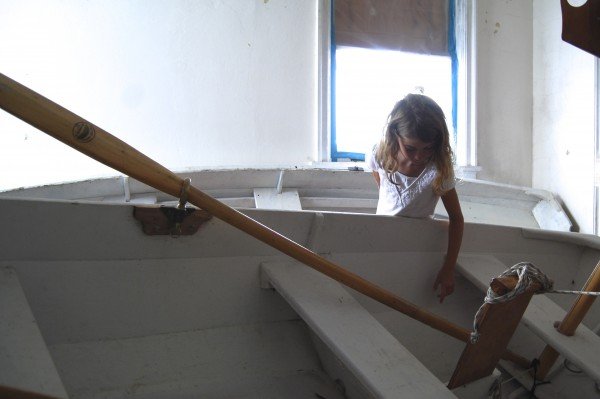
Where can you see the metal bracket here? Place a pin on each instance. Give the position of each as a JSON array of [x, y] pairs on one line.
[[183, 194], [170, 221], [179, 221]]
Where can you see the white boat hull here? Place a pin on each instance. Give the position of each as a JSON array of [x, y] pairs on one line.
[[123, 314]]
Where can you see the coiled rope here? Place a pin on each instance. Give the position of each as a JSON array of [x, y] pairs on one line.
[[527, 274]]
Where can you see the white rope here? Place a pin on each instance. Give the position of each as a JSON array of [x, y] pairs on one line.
[[573, 292], [527, 274]]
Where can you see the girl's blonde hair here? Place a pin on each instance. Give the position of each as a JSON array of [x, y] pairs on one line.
[[417, 117]]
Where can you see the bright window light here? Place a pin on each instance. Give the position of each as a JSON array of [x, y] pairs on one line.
[[369, 82]]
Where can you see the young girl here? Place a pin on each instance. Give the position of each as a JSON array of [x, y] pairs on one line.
[[412, 165]]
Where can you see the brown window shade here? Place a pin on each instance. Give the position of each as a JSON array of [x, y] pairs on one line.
[[417, 26]]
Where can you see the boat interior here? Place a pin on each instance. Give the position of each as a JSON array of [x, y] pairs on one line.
[[218, 314]]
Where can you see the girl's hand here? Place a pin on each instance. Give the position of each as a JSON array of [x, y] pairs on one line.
[[444, 280]]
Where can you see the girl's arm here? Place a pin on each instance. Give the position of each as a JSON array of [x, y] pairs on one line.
[[376, 176], [445, 277]]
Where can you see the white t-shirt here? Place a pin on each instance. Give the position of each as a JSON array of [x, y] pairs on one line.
[[410, 196]]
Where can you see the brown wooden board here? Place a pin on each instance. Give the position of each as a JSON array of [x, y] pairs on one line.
[[496, 327], [581, 25]]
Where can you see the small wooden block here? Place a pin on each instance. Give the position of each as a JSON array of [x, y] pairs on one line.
[[170, 221]]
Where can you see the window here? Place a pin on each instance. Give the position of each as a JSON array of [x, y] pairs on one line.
[[368, 84], [382, 50]]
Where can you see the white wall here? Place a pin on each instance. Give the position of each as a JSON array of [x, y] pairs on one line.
[[535, 104], [190, 83], [563, 122], [504, 90], [211, 83]]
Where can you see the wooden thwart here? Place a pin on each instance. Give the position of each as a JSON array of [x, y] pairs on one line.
[[497, 324], [381, 363]]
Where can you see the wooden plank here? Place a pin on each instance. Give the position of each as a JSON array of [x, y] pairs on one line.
[[385, 367], [497, 324], [582, 349], [580, 25]]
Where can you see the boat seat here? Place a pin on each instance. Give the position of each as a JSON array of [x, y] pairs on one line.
[[381, 364], [582, 349]]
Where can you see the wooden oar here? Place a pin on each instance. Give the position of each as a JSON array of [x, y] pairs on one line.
[[571, 321], [91, 140]]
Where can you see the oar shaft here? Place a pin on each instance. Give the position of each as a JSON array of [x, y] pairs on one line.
[[91, 140], [581, 305]]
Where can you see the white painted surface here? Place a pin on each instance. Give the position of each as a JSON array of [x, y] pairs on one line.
[[563, 123], [25, 362], [545, 212], [371, 353], [200, 83], [504, 91], [254, 361], [320, 189], [97, 285], [270, 198]]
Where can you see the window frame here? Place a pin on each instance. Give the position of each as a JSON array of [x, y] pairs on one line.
[[463, 46]]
